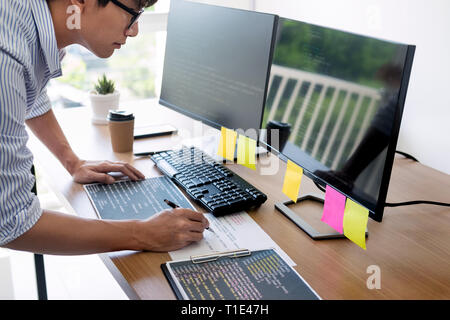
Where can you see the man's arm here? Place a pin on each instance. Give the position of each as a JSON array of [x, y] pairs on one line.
[[47, 129], [24, 226], [62, 234]]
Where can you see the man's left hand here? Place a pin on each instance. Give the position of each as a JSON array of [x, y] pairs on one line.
[[97, 171]]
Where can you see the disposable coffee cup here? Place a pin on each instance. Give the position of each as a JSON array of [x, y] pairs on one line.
[[121, 129]]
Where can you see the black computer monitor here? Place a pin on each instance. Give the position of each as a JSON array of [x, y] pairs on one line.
[[216, 64], [341, 95]]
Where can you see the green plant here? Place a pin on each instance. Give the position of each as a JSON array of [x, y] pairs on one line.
[[104, 85]]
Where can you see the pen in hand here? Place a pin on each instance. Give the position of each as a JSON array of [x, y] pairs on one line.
[[173, 206]]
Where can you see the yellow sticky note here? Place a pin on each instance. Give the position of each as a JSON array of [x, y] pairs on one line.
[[227, 143], [355, 223], [292, 180], [246, 152]]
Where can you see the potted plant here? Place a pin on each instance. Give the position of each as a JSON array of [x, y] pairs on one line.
[[104, 98]]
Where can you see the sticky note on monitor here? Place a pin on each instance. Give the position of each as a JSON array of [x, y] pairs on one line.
[[227, 143], [355, 223], [292, 180], [246, 152], [333, 209]]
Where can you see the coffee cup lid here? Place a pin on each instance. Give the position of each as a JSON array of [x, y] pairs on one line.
[[278, 124], [120, 115]]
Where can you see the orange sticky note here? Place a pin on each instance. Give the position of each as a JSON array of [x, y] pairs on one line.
[[246, 152], [292, 180], [227, 143], [355, 223]]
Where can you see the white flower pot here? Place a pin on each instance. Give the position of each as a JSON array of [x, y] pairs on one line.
[[101, 104]]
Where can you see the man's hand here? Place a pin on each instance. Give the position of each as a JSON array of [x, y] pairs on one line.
[[97, 171], [171, 230], [47, 129]]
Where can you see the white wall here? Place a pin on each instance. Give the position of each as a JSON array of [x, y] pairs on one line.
[[425, 130], [238, 4]]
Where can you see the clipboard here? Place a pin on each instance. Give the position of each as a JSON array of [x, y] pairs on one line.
[[172, 283], [237, 275]]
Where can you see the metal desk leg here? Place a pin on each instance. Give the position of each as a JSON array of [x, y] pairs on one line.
[[39, 262], [40, 276]]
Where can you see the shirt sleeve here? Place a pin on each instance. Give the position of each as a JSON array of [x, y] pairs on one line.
[[19, 207], [41, 106]]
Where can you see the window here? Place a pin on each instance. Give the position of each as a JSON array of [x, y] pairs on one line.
[[136, 68]]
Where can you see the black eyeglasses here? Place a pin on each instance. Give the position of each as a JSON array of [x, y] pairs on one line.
[[135, 14]]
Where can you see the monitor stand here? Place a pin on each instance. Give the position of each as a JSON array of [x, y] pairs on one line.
[[302, 224]]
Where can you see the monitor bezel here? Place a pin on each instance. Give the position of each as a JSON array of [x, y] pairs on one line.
[[377, 215]]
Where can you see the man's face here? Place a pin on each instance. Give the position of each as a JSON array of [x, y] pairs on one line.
[[104, 29]]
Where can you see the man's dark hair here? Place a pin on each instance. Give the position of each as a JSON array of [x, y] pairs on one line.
[[141, 3]]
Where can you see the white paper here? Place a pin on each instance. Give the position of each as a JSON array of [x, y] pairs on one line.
[[230, 232]]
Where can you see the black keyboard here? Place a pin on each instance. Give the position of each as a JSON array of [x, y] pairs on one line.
[[208, 182]]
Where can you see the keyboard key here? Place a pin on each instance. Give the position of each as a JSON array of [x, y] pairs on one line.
[[219, 207], [198, 196], [196, 182], [235, 202], [207, 200], [189, 185]]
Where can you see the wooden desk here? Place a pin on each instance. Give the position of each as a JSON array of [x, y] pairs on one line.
[[411, 246]]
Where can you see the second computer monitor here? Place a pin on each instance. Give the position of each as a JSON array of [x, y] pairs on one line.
[[339, 98], [217, 63]]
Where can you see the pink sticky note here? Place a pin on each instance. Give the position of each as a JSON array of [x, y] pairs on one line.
[[333, 209]]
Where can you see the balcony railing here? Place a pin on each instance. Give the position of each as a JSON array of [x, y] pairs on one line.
[[311, 121]]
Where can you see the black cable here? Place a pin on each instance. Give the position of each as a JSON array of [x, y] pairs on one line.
[[407, 155], [408, 203], [399, 204]]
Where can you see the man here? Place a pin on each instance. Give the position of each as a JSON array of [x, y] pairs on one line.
[[32, 37]]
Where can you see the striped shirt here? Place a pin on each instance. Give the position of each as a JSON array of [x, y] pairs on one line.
[[29, 58]]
